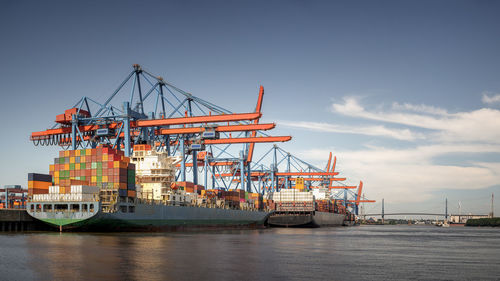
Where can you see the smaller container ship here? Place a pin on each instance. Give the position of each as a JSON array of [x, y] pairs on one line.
[[96, 190], [295, 208]]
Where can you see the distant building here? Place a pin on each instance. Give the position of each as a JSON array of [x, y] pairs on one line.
[[464, 218]]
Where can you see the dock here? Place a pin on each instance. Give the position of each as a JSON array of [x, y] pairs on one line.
[[18, 220]]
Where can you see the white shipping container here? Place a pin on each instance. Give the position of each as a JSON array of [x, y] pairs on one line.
[[84, 189], [54, 189]]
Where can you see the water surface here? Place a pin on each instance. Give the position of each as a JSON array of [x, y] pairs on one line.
[[339, 253]]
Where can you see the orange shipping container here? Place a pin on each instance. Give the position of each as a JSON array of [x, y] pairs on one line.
[[39, 184], [32, 191]]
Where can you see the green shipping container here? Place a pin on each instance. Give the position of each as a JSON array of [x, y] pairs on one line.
[[99, 179], [94, 165], [82, 152], [99, 165], [99, 172], [61, 160], [82, 166], [72, 166]]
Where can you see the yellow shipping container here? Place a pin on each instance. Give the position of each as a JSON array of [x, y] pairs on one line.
[[104, 157], [116, 185], [56, 174], [56, 181], [82, 159], [30, 184], [66, 153], [77, 153], [66, 167], [51, 168], [116, 164], [88, 152], [93, 179], [77, 166], [104, 178], [72, 160]]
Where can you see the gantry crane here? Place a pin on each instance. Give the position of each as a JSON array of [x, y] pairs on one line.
[[147, 109], [191, 125]]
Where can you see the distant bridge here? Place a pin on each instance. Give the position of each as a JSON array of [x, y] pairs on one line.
[[405, 214], [383, 214]]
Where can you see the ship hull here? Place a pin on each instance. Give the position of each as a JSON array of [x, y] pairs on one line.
[[312, 219], [150, 217]]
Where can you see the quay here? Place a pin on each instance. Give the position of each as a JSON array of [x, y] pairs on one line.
[[18, 220]]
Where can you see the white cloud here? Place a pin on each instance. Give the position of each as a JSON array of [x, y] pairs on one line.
[[494, 98], [400, 134], [409, 175], [422, 108], [477, 125]]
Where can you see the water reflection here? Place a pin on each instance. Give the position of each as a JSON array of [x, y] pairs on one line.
[[353, 253]]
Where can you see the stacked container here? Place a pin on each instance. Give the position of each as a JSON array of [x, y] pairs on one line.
[[38, 183], [72, 194], [104, 167], [292, 200]]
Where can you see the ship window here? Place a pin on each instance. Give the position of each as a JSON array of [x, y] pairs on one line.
[[60, 207], [85, 208], [47, 208], [75, 207], [131, 209], [32, 207], [123, 209], [91, 207]]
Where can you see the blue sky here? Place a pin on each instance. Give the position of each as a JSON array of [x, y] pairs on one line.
[[406, 94]]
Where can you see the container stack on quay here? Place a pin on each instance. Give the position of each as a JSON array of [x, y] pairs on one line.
[[17, 197]]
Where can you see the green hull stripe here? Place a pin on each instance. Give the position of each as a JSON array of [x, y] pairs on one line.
[[62, 222]]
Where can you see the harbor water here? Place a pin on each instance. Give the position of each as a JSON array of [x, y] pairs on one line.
[[339, 253]]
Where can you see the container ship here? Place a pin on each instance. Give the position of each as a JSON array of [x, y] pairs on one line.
[[100, 189], [296, 208]]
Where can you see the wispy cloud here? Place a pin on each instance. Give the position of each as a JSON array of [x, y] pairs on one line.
[[381, 131], [410, 175], [490, 98], [477, 125], [421, 108]]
